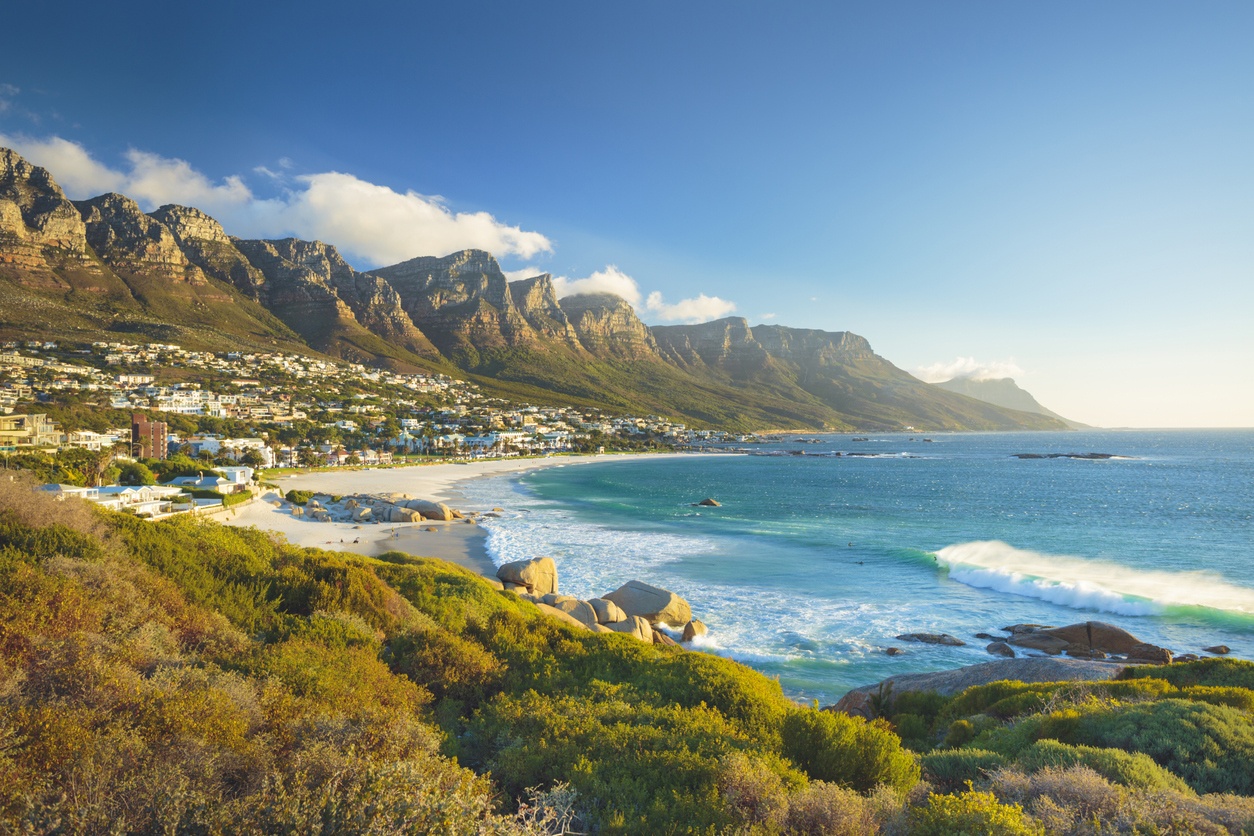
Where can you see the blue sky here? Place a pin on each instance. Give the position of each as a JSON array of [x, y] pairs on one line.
[[1062, 192]]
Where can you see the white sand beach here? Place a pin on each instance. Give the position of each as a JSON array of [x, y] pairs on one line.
[[459, 541]]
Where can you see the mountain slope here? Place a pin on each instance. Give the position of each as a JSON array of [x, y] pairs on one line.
[[83, 270], [1003, 392]]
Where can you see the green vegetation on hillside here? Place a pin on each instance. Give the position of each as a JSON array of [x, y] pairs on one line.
[[183, 676]]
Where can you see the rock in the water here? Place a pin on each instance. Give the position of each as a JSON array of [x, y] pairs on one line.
[[1150, 653], [693, 629], [1076, 652], [1016, 629], [1094, 635], [709, 502], [988, 637], [894, 651], [932, 638], [661, 638], [634, 626], [1186, 657], [948, 683], [1001, 649], [607, 611], [1039, 641], [1221, 649], [656, 605], [539, 574]]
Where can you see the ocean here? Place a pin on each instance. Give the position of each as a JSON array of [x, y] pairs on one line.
[[825, 549]]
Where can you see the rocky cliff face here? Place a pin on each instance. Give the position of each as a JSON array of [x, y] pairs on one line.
[[296, 293], [536, 300], [131, 242], [806, 346], [461, 301], [206, 244], [608, 327], [727, 344], [41, 232]]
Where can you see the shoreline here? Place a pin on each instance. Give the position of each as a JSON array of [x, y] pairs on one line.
[[460, 541]]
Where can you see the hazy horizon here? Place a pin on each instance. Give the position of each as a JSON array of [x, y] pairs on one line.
[[1056, 194]]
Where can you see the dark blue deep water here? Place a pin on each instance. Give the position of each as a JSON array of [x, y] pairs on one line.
[[815, 562]]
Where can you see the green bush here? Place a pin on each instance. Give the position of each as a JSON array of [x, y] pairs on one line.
[[298, 497], [1210, 746], [951, 770], [1236, 673], [848, 751], [1130, 769], [971, 814]]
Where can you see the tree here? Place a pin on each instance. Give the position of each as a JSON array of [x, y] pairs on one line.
[[308, 457], [136, 473], [252, 458]]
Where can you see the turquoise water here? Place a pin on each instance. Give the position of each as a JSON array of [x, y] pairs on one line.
[[815, 562]]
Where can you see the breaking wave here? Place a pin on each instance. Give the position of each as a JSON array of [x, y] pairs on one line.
[[1082, 583]]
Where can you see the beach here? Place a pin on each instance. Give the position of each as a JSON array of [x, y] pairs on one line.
[[459, 541]]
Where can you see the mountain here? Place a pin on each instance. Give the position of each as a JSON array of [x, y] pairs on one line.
[[82, 270], [1006, 393]]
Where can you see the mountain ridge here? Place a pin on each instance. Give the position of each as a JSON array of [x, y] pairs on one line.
[[103, 265]]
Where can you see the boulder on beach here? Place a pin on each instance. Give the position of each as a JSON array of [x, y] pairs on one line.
[[565, 618], [652, 603], [634, 626], [430, 510], [607, 611], [693, 629], [539, 574], [932, 638]]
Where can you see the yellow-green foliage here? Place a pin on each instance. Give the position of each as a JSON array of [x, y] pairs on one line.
[[848, 751], [971, 814]]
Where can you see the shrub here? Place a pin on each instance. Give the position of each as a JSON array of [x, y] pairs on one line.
[[298, 497], [1236, 673], [960, 732], [954, 769], [1130, 769], [829, 809], [971, 814], [1210, 746], [848, 750]]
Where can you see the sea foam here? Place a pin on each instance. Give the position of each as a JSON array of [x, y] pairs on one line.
[[1084, 583]]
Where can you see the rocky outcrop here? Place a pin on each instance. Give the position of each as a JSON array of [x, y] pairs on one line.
[[608, 327], [41, 232], [726, 344], [634, 626], [1087, 640], [693, 629], [1001, 649], [461, 301], [536, 300], [932, 638], [538, 575], [654, 604], [131, 242], [205, 243], [607, 611], [948, 683]]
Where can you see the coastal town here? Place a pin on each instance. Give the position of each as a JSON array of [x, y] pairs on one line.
[[237, 413]]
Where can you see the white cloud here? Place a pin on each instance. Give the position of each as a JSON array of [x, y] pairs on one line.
[[7, 92], [370, 223], [610, 280], [968, 367], [700, 308], [769, 315]]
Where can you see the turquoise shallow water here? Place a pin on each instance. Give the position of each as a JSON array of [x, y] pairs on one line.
[[816, 562]]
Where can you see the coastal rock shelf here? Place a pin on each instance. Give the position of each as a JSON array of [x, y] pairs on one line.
[[636, 609]]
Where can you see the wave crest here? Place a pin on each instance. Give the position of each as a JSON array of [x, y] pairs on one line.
[[1083, 583]]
